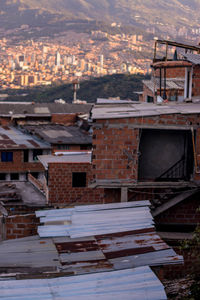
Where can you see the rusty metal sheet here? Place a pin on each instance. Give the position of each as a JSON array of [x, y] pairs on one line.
[[33, 143], [81, 246], [135, 241]]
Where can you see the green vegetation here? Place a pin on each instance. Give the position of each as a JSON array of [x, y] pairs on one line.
[[118, 85]]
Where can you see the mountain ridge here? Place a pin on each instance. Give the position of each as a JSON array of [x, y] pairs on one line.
[[127, 12]]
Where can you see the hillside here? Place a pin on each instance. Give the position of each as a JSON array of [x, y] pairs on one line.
[[119, 85], [43, 13]]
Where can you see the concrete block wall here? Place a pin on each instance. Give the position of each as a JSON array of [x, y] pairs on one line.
[[61, 192]]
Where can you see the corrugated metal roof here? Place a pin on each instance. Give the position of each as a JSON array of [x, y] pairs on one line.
[[110, 256], [136, 284], [59, 134], [78, 157], [172, 83], [114, 231], [143, 110], [46, 109], [113, 101], [12, 138], [102, 220], [193, 58]]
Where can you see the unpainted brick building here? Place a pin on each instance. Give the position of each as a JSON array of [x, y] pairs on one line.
[[68, 177], [148, 151], [174, 79]]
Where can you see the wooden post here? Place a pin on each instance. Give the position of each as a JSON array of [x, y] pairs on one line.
[[166, 54], [155, 48]]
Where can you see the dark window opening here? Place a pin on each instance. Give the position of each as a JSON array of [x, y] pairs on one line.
[[2, 176], [149, 99], [35, 174], [36, 152], [85, 147], [26, 152], [79, 179], [188, 84], [165, 155], [14, 176], [6, 156], [62, 147], [173, 96]]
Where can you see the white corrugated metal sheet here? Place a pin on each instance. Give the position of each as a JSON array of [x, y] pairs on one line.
[[95, 220], [132, 284]]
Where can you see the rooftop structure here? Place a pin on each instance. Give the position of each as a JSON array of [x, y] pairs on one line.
[[184, 64], [56, 134], [66, 157], [12, 138], [144, 110], [18, 109]]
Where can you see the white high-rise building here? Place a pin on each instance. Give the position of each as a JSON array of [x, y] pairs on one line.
[[57, 61], [101, 59]]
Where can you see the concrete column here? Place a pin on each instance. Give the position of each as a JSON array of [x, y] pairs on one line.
[[124, 194], [30, 155]]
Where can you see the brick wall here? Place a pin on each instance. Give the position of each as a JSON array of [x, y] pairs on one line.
[[146, 92], [169, 93], [172, 73], [196, 81], [109, 159], [5, 121], [18, 164], [21, 221], [19, 226], [61, 191], [182, 213], [64, 119], [113, 137]]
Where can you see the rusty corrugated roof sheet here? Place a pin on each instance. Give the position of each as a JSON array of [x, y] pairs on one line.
[[12, 138]]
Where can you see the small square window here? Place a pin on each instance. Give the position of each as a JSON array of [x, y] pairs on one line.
[[79, 179], [6, 156]]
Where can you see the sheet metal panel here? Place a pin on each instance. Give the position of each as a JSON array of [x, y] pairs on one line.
[[82, 256], [156, 258], [136, 284], [53, 230], [29, 259], [94, 220], [27, 246], [144, 109], [54, 212], [109, 206], [132, 242]]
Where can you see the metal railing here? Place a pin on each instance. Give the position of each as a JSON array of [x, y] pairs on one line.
[[175, 172]]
